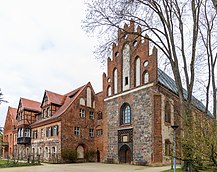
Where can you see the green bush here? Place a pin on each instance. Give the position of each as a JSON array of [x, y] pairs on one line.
[[69, 155], [89, 155]]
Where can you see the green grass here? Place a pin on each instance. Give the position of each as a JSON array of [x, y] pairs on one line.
[[3, 162], [180, 170], [6, 164], [177, 170]]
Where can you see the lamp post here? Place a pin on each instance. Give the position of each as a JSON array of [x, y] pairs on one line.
[[174, 149]]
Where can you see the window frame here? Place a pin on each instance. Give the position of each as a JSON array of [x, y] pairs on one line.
[[125, 114]]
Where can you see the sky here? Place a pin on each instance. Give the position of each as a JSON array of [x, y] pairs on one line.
[[43, 47]]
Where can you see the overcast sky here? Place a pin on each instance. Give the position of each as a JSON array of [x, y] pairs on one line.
[[42, 46]]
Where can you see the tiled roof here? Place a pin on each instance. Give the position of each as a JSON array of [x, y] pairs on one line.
[[69, 99], [30, 104], [55, 98], [169, 83]]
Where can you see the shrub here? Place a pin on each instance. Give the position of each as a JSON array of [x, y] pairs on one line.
[[69, 155], [89, 155]]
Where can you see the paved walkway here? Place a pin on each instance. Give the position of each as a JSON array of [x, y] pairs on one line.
[[85, 167]]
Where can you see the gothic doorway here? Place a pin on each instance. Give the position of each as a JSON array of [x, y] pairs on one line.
[[80, 152], [98, 155], [125, 154]]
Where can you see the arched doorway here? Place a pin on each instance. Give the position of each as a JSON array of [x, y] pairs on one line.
[[125, 154], [98, 155], [80, 152]]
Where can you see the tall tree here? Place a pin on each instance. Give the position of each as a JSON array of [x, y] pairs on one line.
[[208, 35], [173, 27]]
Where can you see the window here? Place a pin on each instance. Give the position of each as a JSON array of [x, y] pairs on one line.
[[167, 147], [27, 132], [42, 133], [137, 71], [99, 115], [126, 80], [91, 115], [35, 134], [167, 112], [99, 132], [89, 98], [126, 67], [109, 91], [77, 131], [46, 152], [48, 132], [125, 114], [91, 132], [48, 112], [146, 77], [115, 81], [55, 130], [82, 113]]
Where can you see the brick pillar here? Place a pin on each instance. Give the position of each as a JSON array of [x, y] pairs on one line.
[[157, 145]]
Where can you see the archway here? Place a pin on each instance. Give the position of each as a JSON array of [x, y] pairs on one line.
[[125, 155], [80, 152]]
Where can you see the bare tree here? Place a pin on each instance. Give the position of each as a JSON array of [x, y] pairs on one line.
[[167, 21], [208, 35], [173, 27]]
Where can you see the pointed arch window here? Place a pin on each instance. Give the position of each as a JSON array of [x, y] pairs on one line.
[[115, 78], [125, 117], [126, 68], [137, 71], [146, 77], [109, 91], [167, 112]]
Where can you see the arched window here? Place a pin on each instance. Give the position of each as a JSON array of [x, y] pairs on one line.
[[82, 101], [89, 99], [126, 68], [146, 77], [115, 77], [109, 91], [125, 114], [137, 71], [167, 112], [80, 152]]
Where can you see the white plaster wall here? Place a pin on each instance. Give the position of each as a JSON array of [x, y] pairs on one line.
[[126, 67]]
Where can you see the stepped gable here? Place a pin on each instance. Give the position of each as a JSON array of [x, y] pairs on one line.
[[139, 48]]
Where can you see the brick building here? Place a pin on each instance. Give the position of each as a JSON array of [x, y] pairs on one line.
[[128, 122], [9, 137]]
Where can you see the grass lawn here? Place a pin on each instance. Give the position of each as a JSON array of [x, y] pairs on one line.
[[6, 164], [178, 170]]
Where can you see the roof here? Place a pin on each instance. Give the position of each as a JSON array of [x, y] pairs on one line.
[[69, 99], [30, 104], [55, 97], [169, 83], [13, 112]]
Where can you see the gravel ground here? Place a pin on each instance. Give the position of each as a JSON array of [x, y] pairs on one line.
[[85, 167]]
